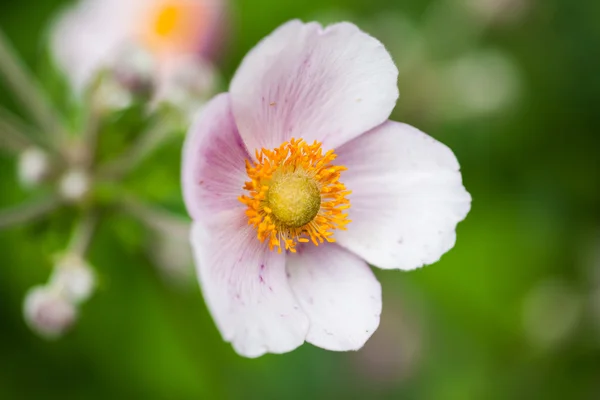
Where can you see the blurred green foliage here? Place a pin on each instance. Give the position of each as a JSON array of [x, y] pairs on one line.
[[454, 330]]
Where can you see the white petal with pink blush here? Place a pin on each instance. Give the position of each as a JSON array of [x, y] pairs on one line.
[[296, 182]]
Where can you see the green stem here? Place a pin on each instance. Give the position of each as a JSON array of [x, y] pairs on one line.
[[147, 143], [83, 234], [28, 92], [14, 130], [27, 212], [155, 218]]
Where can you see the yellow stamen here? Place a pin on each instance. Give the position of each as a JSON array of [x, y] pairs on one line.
[[295, 195], [167, 19], [173, 26]]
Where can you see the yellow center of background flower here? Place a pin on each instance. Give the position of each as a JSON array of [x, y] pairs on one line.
[[295, 195], [174, 26], [167, 19]]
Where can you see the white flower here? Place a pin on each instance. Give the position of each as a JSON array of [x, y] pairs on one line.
[[47, 312], [74, 278], [296, 181], [479, 83], [33, 166]]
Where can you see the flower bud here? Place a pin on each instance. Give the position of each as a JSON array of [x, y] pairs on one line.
[[47, 312], [186, 83], [74, 185], [74, 278], [33, 166]]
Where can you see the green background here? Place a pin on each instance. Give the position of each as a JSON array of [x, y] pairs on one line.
[[462, 328]]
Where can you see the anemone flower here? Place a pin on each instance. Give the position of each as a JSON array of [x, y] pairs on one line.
[[296, 182], [145, 34]]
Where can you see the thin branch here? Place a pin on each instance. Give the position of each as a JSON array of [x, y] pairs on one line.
[[144, 146], [12, 139], [25, 87], [27, 212], [82, 236], [156, 218], [17, 135]]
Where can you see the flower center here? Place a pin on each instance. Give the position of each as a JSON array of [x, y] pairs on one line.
[[167, 19], [294, 199], [173, 26], [295, 195]]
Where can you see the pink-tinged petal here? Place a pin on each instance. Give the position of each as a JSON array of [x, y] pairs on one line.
[[339, 293], [407, 197], [90, 35], [214, 169], [246, 288], [307, 82]]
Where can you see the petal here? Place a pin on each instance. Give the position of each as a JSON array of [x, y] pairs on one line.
[[214, 169], [88, 37], [407, 197], [246, 288], [338, 292], [307, 82]]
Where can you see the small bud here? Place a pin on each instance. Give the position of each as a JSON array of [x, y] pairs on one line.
[[74, 185], [135, 71], [33, 166], [131, 76], [186, 82], [47, 312], [74, 278]]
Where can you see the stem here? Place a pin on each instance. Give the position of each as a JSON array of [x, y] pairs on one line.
[[155, 218], [139, 150], [16, 131], [24, 86], [82, 236], [11, 138], [90, 136], [27, 212]]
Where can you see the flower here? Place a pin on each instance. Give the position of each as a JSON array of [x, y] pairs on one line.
[[133, 37], [33, 166], [48, 312], [296, 182], [74, 185], [74, 278]]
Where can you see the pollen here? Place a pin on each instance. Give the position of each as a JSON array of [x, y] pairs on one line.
[[295, 195], [172, 26], [167, 20]]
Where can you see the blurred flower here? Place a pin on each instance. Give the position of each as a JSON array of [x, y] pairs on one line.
[[478, 83], [393, 353], [48, 312], [33, 166], [172, 253], [74, 185], [258, 174], [74, 278], [497, 11], [448, 79], [135, 39], [551, 312]]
